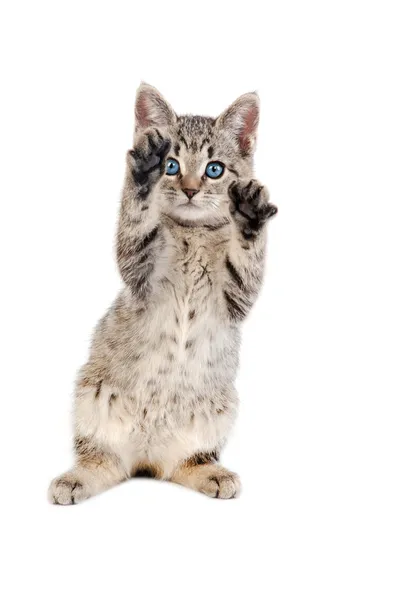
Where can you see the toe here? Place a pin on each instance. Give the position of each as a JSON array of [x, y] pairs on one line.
[[227, 487]]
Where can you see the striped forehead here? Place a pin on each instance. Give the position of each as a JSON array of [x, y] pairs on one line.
[[194, 133]]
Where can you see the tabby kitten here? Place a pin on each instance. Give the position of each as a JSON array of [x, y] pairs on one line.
[[157, 394]]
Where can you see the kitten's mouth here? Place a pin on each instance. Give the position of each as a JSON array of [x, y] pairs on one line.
[[188, 204]]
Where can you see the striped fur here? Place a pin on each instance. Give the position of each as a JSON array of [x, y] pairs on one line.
[[157, 393]]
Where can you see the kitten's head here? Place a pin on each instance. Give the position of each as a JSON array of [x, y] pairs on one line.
[[206, 154]]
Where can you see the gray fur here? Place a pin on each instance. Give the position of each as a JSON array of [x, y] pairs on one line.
[[157, 393]]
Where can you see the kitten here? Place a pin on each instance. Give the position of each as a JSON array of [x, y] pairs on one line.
[[157, 394]]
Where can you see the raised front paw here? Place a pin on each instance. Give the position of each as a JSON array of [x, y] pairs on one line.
[[147, 159], [250, 206]]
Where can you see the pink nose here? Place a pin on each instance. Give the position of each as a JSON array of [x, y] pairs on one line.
[[190, 193]]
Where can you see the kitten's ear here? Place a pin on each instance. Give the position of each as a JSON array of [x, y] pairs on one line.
[[151, 109], [241, 119]]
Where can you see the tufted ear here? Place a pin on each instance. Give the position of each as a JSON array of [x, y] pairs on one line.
[[241, 119], [151, 109]]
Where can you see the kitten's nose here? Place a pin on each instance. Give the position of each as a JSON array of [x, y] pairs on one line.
[[190, 184], [190, 192]]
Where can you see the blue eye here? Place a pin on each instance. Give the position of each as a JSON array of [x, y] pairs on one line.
[[172, 166], [214, 170]]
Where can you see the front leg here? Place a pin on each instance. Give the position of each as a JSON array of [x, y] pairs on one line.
[[140, 239], [244, 262]]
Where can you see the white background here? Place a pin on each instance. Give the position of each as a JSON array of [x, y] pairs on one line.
[[318, 438]]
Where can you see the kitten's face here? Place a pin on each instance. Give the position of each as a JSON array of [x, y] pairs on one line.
[[200, 166], [206, 155]]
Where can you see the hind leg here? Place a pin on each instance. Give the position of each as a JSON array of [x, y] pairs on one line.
[[101, 443], [95, 471], [204, 474]]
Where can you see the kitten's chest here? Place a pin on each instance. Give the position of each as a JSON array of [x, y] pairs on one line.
[[197, 258], [186, 337], [194, 274], [191, 300], [188, 316]]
